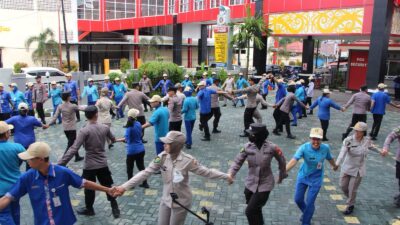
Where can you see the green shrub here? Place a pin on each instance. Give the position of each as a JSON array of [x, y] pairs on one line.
[[124, 65], [74, 66], [114, 75], [18, 66], [155, 70]]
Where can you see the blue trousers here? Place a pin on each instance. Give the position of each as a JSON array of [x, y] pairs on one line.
[[294, 114], [241, 100], [189, 124], [307, 206], [120, 111], [91, 103], [11, 214], [159, 147], [54, 113]]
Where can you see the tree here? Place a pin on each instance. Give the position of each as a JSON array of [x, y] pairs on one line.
[[47, 47], [250, 30], [150, 46]]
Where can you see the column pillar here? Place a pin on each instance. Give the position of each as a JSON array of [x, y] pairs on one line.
[[260, 55], [202, 45], [177, 41], [308, 55], [379, 42]]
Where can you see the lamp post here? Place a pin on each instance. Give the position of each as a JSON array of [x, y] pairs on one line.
[[65, 36]]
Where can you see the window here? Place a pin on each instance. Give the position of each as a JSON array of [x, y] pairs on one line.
[[88, 9], [152, 7], [215, 3], [119, 9], [16, 4], [236, 2], [171, 7], [53, 5], [198, 4], [184, 6]]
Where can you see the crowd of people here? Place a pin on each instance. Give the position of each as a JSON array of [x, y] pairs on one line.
[[47, 183]]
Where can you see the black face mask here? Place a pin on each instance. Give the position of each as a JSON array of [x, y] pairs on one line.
[[258, 138]]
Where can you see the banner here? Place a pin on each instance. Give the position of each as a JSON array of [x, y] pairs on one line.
[[221, 44], [357, 69]]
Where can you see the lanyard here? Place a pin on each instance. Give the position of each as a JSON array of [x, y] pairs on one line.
[[48, 201]]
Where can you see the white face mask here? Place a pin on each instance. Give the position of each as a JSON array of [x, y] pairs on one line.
[[178, 177]]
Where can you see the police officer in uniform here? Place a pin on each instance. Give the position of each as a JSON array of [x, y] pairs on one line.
[[175, 166], [259, 181]]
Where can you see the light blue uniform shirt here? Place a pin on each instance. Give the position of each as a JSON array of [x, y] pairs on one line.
[[381, 99], [187, 83], [119, 90], [55, 95], [190, 105], [159, 120], [91, 92], [9, 165], [313, 165], [17, 97], [242, 83]]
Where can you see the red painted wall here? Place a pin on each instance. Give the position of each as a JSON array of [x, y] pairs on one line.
[[358, 61]]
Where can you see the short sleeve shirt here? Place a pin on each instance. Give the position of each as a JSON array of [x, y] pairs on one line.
[[9, 165], [72, 87], [381, 99], [59, 179], [313, 159], [5, 99], [24, 133]]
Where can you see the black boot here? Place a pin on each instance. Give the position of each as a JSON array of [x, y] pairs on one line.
[[216, 131], [144, 184], [85, 211], [114, 209], [349, 210]]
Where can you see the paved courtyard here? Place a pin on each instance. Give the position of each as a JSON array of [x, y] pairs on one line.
[[226, 203]]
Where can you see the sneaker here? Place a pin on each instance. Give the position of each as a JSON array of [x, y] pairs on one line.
[[242, 106], [224, 105], [188, 146], [115, 211], [77, 159], [216, 131], [291, 137], [144, 141], [373, 138], [146, 110], [110, 146], [276, 133], [200, 127], [206, 139], [144, 185], [293, 124], [85, 211], [349, 210]]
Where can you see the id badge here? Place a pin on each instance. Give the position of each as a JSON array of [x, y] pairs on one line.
[[56, 201], [319, 165]]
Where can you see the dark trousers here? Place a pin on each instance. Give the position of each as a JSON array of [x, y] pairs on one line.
[[105, 179], [276, 115], [204, 118], [376, 125], [78, 116], [303, 111], [142, 121], [397, 93], [177, 125], [217, 115], [71, 136], [248, 118], [284, 119], [255, 202], [5, 116], [356, 118], [146, 103], [130, 163], [324, 126], [40, 112], [309, 103], [31, 112]]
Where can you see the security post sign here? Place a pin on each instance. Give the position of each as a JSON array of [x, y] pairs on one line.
[[221, 43]]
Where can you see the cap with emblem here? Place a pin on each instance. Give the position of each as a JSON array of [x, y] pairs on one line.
[[186, 76], [4, 127], [165, 75], [360, 126], [90, 79], [326, 91], [382, 86], [316, 133], [53, 82], [155, 98], [174, 137], [117, 79], [30, 84], [36, 150], [23, 106], [133, 113], [256, 128], [13, 85], [68, 75]]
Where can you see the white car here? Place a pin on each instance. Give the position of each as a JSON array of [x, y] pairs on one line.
[[32, 72]]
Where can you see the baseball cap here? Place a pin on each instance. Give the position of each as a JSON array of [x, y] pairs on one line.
[[316, 133], [68, 75], [117, 79], [186, 76], [13, 85], [155, 98], [133, 113], [53, 82], [90, 79], [165, 75], [382, 86], [257, 128], [4, 127], [205, 74], [240, 74], [326, 91], [36, 150], [187, 89], [174, 137], [106, 78], [23, 106], [1, 85], [302, 81], [30, 84], [298, 82], [360, 126], [201, 83]]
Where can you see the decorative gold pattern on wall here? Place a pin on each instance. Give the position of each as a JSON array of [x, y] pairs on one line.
[[341, 21]]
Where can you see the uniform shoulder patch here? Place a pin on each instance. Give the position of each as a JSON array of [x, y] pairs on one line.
[[278, 150], [157, 160]]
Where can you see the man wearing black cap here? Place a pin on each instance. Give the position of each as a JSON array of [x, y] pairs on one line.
[[260, 180], [39, 97], [175, 110], [135, 99], [251, 105], [93, 137]]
